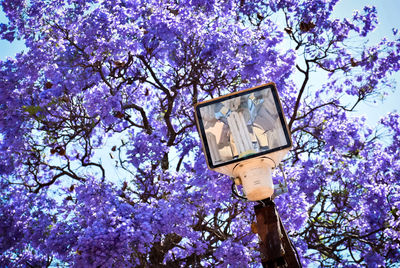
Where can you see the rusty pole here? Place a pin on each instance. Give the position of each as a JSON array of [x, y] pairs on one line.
[[275, 246]]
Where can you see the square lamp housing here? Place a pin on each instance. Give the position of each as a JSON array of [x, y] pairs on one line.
[[245, 135]]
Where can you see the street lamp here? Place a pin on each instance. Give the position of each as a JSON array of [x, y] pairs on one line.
[[245, 135]]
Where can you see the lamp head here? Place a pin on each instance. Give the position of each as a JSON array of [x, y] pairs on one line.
[[244, 134]]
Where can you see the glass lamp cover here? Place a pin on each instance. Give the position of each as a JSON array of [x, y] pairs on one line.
[[242, 125]]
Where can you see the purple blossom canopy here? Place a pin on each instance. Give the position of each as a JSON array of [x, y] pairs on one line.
[[100, 160]]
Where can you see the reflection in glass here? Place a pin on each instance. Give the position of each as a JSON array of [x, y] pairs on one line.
[[242, 126]]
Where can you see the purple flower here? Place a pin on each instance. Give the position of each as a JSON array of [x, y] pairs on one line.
[[100, 161]]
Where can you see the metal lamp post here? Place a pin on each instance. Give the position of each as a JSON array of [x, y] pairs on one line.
[[245, 135]]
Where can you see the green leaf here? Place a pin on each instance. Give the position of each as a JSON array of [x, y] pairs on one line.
[[32, 110]]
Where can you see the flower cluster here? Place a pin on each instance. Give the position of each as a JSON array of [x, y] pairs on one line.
[[100, 162]]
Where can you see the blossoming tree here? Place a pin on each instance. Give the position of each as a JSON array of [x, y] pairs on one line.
[[100, 160]]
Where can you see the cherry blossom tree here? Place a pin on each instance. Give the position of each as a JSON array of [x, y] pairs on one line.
[[101, 163]]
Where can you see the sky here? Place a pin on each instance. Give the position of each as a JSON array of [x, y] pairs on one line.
[[388, 16]]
